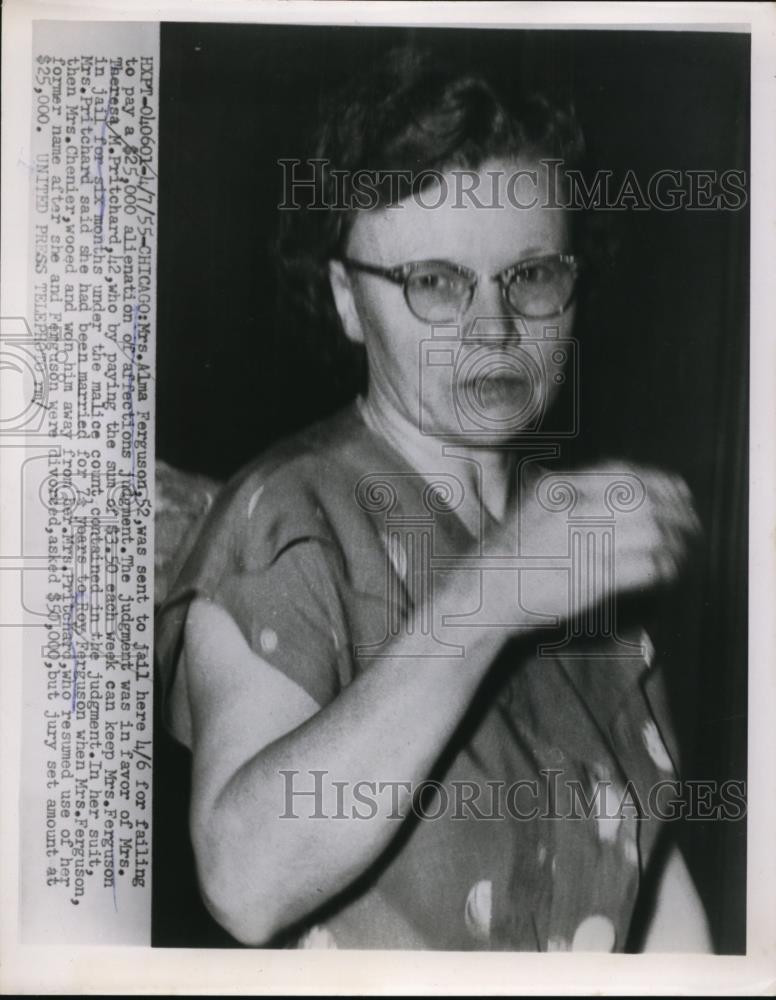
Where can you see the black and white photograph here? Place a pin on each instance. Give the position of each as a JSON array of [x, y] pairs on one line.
[[389, 493], [452, 351]]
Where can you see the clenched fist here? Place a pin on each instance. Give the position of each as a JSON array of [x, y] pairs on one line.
[[620, 528]]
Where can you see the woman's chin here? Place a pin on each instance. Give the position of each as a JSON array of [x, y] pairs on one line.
[[493, 427], [497, 408]]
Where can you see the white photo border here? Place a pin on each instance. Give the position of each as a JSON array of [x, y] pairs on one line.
[[55, 969]]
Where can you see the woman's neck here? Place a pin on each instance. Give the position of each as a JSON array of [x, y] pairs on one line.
[[489, 473]]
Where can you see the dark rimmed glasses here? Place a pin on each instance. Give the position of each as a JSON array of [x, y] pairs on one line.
[[437, 291]]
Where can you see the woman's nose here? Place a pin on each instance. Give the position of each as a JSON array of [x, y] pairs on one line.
[[489, 314], [488, 300]]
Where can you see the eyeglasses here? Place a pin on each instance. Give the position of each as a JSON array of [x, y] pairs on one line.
[[437, 291]]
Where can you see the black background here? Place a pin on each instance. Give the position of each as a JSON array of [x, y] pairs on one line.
[[664, 351]]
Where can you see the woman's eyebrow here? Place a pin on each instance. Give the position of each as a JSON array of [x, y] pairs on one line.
[[528, 253], [444, 261], [531, 253]]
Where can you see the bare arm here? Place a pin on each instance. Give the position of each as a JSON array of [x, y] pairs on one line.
[[260, 871], [248, 723]]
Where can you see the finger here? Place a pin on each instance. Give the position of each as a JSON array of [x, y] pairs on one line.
[[666, 567], [682, 516], [672, 502]]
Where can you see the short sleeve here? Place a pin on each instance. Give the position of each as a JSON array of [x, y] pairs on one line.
[[291, 615], [276, 568]]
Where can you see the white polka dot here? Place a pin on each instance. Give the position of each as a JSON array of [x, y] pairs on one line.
[[608, 816], [655, 746], [254, 500], [631, 851], [648, 648], [542, 854], [595, 933], [478, 910], [557, 943], [553, 866], [317, 937], [398, 557], [269, 640]]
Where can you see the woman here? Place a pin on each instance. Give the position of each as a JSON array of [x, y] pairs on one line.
[[341, 672]]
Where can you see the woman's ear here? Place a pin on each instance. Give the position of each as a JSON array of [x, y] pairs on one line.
[[344, 301]]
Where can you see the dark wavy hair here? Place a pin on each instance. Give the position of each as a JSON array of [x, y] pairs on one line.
[[410, 116]]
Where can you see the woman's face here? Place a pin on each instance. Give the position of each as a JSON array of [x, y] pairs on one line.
[[484, 374]]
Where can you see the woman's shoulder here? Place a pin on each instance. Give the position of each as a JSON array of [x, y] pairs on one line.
[[247, 558], [295, 489]]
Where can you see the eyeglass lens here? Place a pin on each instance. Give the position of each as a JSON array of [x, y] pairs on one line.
[[536, 289]]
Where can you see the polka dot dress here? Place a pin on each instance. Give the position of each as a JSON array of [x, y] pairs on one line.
[[560, 750]]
